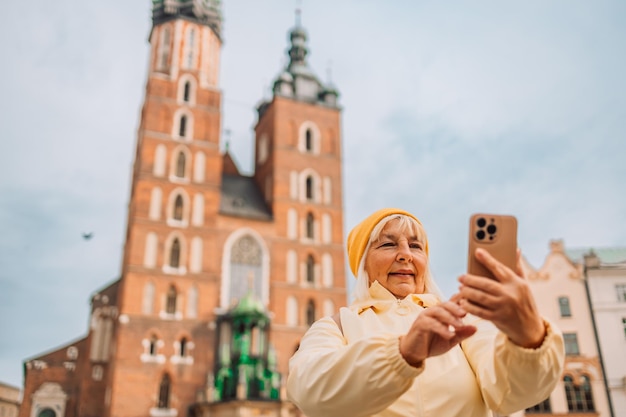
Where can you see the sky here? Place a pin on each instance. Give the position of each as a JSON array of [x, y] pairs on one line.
[[449, 108]]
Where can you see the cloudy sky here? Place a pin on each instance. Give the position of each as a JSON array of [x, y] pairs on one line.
[[449, 108]]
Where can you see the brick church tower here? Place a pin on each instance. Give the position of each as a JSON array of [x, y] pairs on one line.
[[202, 238]]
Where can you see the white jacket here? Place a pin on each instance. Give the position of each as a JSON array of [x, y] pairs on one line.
[[361, 372]]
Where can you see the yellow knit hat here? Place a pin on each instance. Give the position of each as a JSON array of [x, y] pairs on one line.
[[360, 235]]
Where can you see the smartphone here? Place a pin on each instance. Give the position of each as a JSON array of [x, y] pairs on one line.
[[497, 233]]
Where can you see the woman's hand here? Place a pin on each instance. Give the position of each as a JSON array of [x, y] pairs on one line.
[[506, 301], [435, 331]]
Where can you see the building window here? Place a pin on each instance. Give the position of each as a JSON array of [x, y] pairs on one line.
[[571, 344], [621, 292], [310, 312], [182, 127], [183, 347], [579, 396], [47, 412], [72, 353], [310, 269], [246, 267], [187, 92], [170, 303], [542, 407], [152, 348], [178, 208], [624, 325], [175, 254], [165, 48], [180, 165], [309, 225], [308, 140], [564, 307], [309, 188], [164, 392]]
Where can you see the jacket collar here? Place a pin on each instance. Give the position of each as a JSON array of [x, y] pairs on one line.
[[382, 299]]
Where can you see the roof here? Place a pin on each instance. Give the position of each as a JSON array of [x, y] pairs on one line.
[[607, 255], [242, 197]]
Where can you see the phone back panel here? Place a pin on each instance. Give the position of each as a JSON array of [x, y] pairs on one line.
[[497, 233]]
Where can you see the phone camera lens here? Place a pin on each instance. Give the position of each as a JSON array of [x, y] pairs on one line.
[[491, 229], [480, 235], [481, 222]]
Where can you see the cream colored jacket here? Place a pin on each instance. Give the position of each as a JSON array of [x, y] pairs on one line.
[[361, 372]]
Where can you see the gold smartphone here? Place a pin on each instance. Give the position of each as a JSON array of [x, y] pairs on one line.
[[497, 233]]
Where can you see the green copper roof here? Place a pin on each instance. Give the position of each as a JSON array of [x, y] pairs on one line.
[[607, 255], [249, 305]]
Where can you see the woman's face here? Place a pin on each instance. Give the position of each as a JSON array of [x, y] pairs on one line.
[[397, 260]]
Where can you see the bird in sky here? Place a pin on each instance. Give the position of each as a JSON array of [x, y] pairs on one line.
[[87, 236]]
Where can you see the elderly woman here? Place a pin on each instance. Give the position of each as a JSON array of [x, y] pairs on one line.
[[399, 350]]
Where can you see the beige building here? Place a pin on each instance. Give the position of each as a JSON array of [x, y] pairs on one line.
[[605, 274], [10, 400], [559, 288]]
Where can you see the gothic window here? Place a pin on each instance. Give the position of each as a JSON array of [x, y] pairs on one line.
[[571, 344], [191, 47], [183, 347], [47, 412], [178, 208], [621, 292], [156, 195], [170, 303], [624, 325], [164, 392], [310, 221], [542, 407], [187, 92], [246, 262], [310, 269], [308, 140], [579, 396], [165, 48], [180, 165], [564, 307], [310, 312], [152, 349], [309, 188], [182, 127], [175, 254], [72, 353]]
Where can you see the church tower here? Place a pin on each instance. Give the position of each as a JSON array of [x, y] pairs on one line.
[[222, 273]]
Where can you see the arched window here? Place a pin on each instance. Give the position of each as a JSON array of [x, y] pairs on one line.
[[47, 412], [152, 350], [183, 347], [165, 48], [310, 269], [310, 312], [191, 47], [178, 208], [309, 225], [245, 265], [170, 304], [164, 392], [579, 396], [308, 140], [180, 165], [187, 92], [182, 128], [175, 254], [309, 188]]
